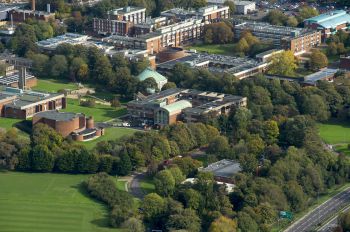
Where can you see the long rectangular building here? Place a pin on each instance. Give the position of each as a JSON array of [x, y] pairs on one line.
[[17, 103], [297, 40], [189, 105]]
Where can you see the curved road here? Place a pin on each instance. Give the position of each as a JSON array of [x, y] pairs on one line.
[[322, 213]]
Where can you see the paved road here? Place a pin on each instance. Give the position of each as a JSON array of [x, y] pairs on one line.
[[135, 188], [322, 213], [329, 227]]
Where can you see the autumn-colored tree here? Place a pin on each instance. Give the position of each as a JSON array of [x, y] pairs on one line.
[[223, 224], [283, 63]]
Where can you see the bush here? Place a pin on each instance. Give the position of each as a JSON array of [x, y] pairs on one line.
[[88, 103]]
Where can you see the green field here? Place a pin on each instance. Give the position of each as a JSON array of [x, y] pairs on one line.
[[337, 134], [334, 132], [48, 202], [222, 49], [7, 123], [101, 113], [110, 134], [52, 85]]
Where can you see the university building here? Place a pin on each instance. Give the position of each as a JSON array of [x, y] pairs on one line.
[[188, 105], [298, 40]]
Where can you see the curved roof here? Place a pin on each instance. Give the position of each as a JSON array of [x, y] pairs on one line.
[[177, 106], [149, 72]]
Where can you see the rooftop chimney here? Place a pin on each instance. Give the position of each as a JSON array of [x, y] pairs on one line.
[[33, 5], [22, 78]]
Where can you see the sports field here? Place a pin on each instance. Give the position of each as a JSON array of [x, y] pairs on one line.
[[46, 202], [101, 113], [110, 134]]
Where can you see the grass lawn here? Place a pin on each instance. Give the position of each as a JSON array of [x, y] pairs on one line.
[[334, 132], [110, 134], [147, 185], [121, 185], [46, 202], [52, 85], [101, 113], [7, 123], [222, 49]]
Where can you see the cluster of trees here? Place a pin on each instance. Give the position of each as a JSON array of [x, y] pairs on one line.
[[277, 17], [283, 63], [26, 34], [48, 151], [250, 45], [318, 60], [123, 209], [218, 33], [338, 43], [90, 65], [152, 148]]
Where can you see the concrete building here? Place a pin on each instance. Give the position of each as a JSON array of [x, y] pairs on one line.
[[298, 40], [69, 38], [329, 23], [17, 103], [242, 7], [240, 67], [189, 105], [157, 77], [67, 124], [223, 170]]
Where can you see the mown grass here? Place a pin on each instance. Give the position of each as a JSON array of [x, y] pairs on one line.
[[46, 202], [147, 185], [222, 49], [335, 132], [7, 123], [112, 133], [52, 85], [101, 113]]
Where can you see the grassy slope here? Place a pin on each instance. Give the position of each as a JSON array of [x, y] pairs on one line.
[[100, 113], [52, 85], [223, 49], [48, 202], [111, 134]]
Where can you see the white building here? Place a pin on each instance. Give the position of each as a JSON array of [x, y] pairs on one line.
[[242, 7]]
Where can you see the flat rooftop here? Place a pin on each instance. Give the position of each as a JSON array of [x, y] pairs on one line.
[[269, 28], [320, 75], [70, 38], [59, 116], [127, 10], [223, 168], [13, 78], [215, 63]]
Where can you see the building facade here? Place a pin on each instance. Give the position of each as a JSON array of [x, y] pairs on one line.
[[67, 124], [189, 105], [297, 40], [329, 23]]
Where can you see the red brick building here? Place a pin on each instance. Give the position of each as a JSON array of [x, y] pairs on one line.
[[69, 124]]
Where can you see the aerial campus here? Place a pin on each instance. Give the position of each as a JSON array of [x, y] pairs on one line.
[[175, 115]]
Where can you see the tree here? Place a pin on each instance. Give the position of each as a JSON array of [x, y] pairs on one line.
[[242, 46], [192, 199], [318, 60], [58, 66], [248, 162], [164, 183], [78, 69], [133, 225], [332, 49], [223, 224], [283, 63], [246, 223], [344, 221], [153, 206], [271, 131], [120, 214], [169, 85], [255, 144], [40, 64], [177, 174], [276, 17], [231, 5], [186, 220], [208, 36], [307, 12], [316, 107], [124, 165], [217, 33], [219, 146], [292, 21], [42, 159], [24, 161]]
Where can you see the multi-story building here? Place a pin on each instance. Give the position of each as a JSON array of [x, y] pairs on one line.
[[297, 40], [329, 23], [187, 105], [67, 124], [131, 14], [17, 103]]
